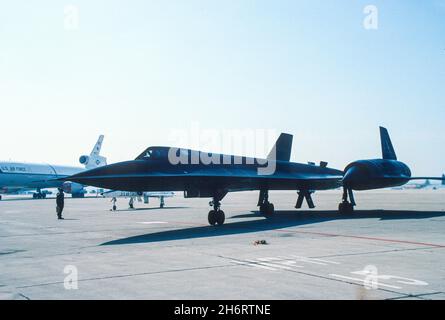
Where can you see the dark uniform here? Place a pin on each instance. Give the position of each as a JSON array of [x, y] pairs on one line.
[[60, 201]]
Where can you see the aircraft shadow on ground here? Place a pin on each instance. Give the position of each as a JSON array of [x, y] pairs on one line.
[[281, 220]]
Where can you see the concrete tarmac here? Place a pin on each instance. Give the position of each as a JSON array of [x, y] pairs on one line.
[[392, 247]]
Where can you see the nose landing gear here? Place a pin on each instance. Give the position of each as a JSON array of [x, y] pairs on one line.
[[216, 216]]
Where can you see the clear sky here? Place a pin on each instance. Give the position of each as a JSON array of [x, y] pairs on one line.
[[137, 70]]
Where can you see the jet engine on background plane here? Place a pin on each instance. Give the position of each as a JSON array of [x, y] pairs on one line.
[[84, 159], [92, 162], [75, 189]]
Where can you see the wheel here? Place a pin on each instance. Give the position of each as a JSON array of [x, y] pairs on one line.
[[220, 217], [212, 217], [267, 209], [345, 208], [342, 208], [0, 197], [350, 208], [263, 208], [161, 205], [44, 196], [114, 208], [270, 209]]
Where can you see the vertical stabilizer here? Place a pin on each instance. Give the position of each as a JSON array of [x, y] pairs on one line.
[[282, 149], [97, 146], [388, 152]]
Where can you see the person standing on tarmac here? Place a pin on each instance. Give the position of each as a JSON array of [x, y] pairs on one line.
[[131, 203], [60, 202], [113, 200]]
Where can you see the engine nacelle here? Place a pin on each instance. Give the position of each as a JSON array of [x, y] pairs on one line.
[[84, 160], [75, 189], [92, 161], [375, 174]]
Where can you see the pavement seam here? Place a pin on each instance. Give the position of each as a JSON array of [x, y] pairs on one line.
[[419, 296], [128, 275]]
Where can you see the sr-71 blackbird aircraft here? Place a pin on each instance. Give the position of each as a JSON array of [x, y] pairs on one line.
[[207, 175]]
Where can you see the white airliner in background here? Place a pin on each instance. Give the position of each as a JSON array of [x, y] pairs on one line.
[[19, 176], [426, 185], [139, 195]]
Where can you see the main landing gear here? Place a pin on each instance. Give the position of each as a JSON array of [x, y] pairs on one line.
[[302, 195], [266, 207], [216, 216], [346, 207]]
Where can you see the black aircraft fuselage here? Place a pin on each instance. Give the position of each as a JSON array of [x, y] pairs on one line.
[[154, 171]]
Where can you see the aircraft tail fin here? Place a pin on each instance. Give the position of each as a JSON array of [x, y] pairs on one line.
[[388, 152], [94, 160], [97, 146], [282, 149]]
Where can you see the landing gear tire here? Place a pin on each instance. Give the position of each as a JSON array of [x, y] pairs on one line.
[[220, 217], [212, 217], [267, 209], [270, 209], [345, 208], [216, 217]]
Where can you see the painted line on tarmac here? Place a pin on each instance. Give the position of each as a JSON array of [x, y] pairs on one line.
[[373, 238]]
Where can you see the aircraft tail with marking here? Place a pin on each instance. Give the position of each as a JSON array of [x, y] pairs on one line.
[[94, 160]]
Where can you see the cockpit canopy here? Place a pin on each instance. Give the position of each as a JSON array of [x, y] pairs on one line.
[[155, 153], [163, 153]]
